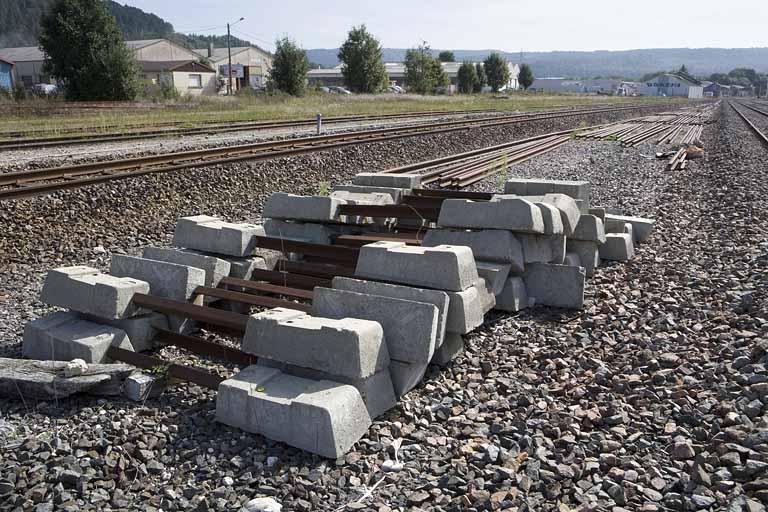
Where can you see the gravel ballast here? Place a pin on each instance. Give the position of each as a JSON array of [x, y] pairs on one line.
[[652, 398]]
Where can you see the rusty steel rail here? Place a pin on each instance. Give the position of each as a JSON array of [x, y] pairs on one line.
[[266, 288], [42, 181], [759, 134], [249, 298], [205, 348], [216, 317], [187, 373]]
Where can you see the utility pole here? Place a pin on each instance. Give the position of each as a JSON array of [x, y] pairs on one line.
[[229, 58]]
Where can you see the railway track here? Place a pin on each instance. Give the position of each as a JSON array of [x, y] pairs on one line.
[[15, 185], [759, 134]]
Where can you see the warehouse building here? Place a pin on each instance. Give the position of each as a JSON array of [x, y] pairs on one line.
[[250, 64], [6, 74], [187, 77], [585, 86], [396, 73], [672, 84]]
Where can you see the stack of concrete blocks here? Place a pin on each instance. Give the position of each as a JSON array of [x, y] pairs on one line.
[[622, 232], [519, 243], [101, 314], [318, 384], [396, 185]]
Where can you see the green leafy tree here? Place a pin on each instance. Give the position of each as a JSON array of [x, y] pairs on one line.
[[361, 63], [289, 68], [683, 69], [86, 52], [496, 71], [446, 56], [482, 80], [467, 78], [423, 73], [525, 78]]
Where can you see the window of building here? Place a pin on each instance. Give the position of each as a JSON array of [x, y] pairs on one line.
[[195, 81]]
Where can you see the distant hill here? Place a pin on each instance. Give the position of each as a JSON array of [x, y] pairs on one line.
[[626, 64]]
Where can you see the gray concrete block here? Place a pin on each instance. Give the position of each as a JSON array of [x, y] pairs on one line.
[[494, 274], [211, 234], [467, 309], [377, 390], [599, 213], [369, 179], [502, 212], [307, 208], [641, 227], [410, 328], [87, 290], [539, 187], [141, 329], [242, 268], [395, 193], [321, 417], [542, 248], [350, 347], [486, 244], [449, 350], [310, 232], [553, 224], [437, 298], [617, 247], [215, 268], [169, 280], [356, 198], [558, 249], [64, 336], [589, 229], [514, 296], [572, 259], [568, 208], [442, 267], [555, 285], [406, 376], [588, 254], [139, 386]]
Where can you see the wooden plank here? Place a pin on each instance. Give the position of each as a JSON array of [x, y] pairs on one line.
[[268, 288], [254, 300], [226, 319], [186, 373], [203, 347]]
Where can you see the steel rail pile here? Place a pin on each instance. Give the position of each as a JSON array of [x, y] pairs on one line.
[[14, 185]]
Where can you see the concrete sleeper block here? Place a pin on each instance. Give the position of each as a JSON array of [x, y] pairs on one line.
[[215, 268], [539, 187], [514, 296], [406, 376], [321, 417], [349, 347], [369, 179], [641, 227], [572, 260], [452, 347], [307, 208], [87, 290], [555, 285], [168, 280], [211, 234], [141, 329], [553, 223], [494, 274], [487, 245], [502, 212], [395, 193], [589, 229], [588, 253], [310, 232], [466, 309], [410, 328], [568, 208], [617, 247], [442, 267]]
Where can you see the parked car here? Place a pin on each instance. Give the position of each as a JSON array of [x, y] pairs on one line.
[[396, 89], [45, 89], [339, 90], [325, 89]]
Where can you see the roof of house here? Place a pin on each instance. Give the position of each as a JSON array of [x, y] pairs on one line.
[[155, 66], [7, 61], [221, 53], [142, 43], [33, 53], [683, 77]]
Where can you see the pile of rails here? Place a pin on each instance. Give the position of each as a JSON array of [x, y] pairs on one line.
[[396, 275]]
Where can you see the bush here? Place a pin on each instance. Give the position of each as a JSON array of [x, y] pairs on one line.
[[496, 71], [362, 67], [467, 78], [289, 68]]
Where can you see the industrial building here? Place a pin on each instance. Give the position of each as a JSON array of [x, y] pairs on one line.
[[672, 84], [250, 64], [187, 77], [396, 74], [6, 74]]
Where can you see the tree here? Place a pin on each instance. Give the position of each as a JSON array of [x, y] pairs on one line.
[[446, 56], [496, 71], [467, 78], [423, 73], [289, 68], [361, 63], [85, 51], [525, 78], [482, 80], [683, 69]]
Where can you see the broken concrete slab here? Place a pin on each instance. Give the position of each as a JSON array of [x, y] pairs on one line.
[[589, 229], [437, 298], [553, 223], [353, 348], [641, 227], [406, 376], [588, 252], [467, 309], [87, 290], [502, 212], [45, 380], [213, 235], [449, 350], [141, 329], [169, 280], [410, 328], [514, 296], [321, 417], [369, 179], [443, 267], [307, 208], [494, 274], [617, 247], [555, 285], [64, 336], [539, 187], [395, 193], [487, 244], [215, 268], [568, 208]]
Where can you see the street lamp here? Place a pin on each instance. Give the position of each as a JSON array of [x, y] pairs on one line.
[[229, 55]]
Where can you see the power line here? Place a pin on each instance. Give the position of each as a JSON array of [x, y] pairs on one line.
[[254, 37]]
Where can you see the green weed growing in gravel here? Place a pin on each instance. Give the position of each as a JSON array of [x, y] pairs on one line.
[[324, 189]]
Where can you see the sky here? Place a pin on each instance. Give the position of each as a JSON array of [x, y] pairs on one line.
[[511, 25]]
